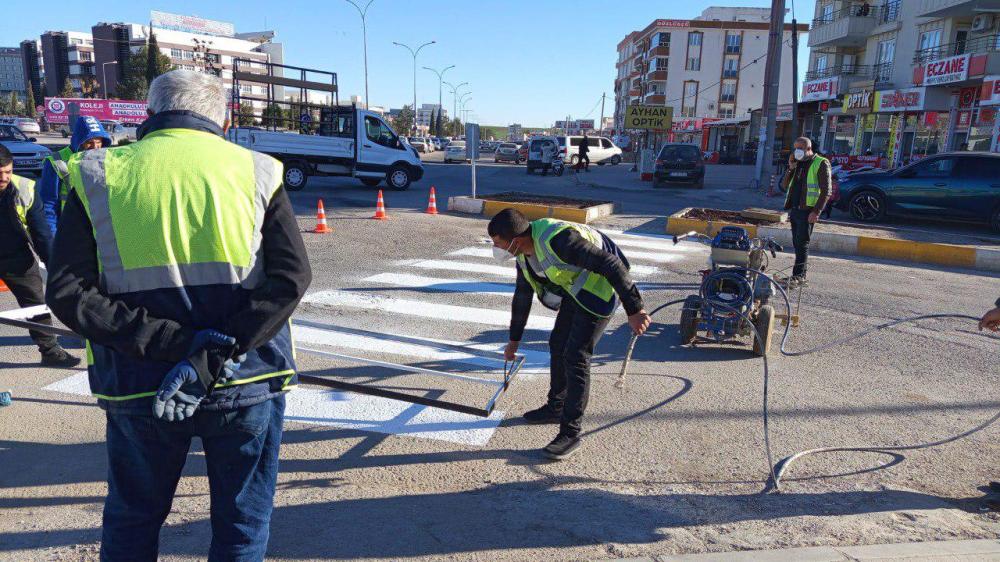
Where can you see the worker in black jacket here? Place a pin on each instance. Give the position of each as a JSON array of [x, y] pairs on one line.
[[579, 271], [991, 321], [24, 233]]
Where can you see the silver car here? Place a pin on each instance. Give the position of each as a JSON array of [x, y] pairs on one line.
[[507, 152]]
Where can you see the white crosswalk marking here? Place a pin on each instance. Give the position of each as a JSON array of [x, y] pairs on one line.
[[441, 284]]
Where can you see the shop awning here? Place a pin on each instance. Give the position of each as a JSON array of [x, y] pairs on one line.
[[728, 122]]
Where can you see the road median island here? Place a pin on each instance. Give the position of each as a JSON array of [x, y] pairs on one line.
[[534, 206], [839, 239]]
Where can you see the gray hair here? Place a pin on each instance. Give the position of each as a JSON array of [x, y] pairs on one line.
[[197, 92], [806, 141]]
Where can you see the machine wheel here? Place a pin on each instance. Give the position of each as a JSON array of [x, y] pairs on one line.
[[763, 322], [399, 177], [371, 182], [574, 160], [615, 160], [296, 176], [867, 206], [689, 319]]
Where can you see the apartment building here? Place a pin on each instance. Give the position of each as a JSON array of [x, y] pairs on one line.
[[33, 66], [191, 43], [703, 68], [424, 114], [12, 73], [67, 55], [899, 80]]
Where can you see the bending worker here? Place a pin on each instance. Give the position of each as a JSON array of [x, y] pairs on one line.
[[88, 134], [180, 260], [578, 270], [23, 234], [807, 183]]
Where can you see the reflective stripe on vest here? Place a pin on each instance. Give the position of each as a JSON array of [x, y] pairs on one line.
[[812, 183], [58, 161], [25, 198], [591, 291], [185, 253]]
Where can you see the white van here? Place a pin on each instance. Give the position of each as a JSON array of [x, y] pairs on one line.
[[602, 150]]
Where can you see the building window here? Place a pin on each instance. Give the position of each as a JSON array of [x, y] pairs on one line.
[[930, 43], [733, 43], [175, 53], [85, 56], [731, 69], [658, 64], [694, 51], [826, 13], [690, 101], [728, 92], [661, 39], [820, 65], [727, 112]]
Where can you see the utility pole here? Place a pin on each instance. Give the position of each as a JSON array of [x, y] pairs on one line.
[[769, 108], [795, 81], [600, 127], [364, 38], [440, 76]]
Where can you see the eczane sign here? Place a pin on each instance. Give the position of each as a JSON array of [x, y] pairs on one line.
[[947, 70], [822, 89]]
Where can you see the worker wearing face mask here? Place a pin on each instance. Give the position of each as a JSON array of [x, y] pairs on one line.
[[807, 188], [578, 271]]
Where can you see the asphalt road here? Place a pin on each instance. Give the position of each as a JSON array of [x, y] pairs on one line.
[[671, 464]]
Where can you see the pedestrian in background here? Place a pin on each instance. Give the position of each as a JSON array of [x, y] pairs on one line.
[[182, 273], [23, 235], [88, 134], [583, 160], [807, 183], [577, 270]]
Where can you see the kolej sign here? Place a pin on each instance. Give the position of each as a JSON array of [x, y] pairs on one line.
[[945, 71], [822, 89], [858, 101], [649, 117]]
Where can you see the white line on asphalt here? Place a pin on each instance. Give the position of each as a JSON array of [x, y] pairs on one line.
[[648, 241], [476, 252], [441, 284], [501, 270], [472, 251], [423, 309], [357, 411]]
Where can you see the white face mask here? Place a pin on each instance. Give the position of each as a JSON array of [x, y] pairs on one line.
[[502, 255], [800, 154]]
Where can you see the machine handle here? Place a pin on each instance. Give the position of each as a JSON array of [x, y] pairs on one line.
[[683, 236]]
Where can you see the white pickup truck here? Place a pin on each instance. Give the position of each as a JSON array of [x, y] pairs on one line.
[[347, 141]]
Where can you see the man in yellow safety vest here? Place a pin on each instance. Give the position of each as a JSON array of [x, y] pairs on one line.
[[807, 188]]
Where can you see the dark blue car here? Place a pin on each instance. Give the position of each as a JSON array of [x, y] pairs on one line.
[[957, 186]]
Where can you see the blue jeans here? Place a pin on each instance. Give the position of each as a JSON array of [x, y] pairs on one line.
[[145, 460]]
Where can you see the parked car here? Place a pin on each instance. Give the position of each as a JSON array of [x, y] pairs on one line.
[[534, 160], [27, 125], [455, 152], [602, 150], [679, 163], [28, 155], [959, 186], [419, 144], [507, 152], [115, 130]]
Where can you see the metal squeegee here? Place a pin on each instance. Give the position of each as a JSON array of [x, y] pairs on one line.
[[28, 318]]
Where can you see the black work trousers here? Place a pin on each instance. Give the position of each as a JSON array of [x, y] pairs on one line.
[[27, 290], [802, 231], [583, 161], [571, 345]]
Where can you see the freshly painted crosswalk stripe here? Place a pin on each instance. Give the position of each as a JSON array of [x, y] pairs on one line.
[[498, 270], [423, 309], [474, 251], [650, 242], [356, 411], [441, 284]]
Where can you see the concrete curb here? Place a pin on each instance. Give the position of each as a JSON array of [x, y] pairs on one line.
[[983, 549], [464, 204], [949, 255]]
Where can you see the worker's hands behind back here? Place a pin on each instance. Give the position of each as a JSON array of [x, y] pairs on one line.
[[639, 322], [182, 391]]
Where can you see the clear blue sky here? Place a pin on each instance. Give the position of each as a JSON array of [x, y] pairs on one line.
[[527, 61]]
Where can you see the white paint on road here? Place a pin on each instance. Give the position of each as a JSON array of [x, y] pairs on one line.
[[441, 284], [360, 412], [476, 252], [424, 309]]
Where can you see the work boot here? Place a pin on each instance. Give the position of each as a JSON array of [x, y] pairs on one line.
[[58, 357], [545, 414], [995, 487], [562, 447]]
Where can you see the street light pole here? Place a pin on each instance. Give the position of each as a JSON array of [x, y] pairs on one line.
[[465, 111], [364, 38], [414, 53], [440, 79], [454, 97], [104, 74]]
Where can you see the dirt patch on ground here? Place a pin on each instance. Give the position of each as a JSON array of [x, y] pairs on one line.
[[550, 200], [726, 216]]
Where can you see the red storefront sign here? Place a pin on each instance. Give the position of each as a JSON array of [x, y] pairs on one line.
[[947, 70], [57, 110], [822, 89]]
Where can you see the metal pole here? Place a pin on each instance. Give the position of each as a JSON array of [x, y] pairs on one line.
[[795, 81], [769, 107], [104, 74], [454, 98], [440, 76], [601, 126], [414, 53]]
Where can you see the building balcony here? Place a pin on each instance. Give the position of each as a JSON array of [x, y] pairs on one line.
[[655, 99], [660, 51], [657, 76], [635, 92], [849, 27], [975, 46], [847, 72], [634, 74], [953, 8]]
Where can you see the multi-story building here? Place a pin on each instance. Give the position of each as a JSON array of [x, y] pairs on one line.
[[191, 43], [33, 69], [424, 114], [900, 80], [706, 69], [68, 55], [12, 72]]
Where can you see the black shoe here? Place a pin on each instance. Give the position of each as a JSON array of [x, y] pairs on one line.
[[995, 487], [57, 357], [991, 504], [545, 414], [562, 447]]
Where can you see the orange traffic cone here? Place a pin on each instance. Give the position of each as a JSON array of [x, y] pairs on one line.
[[3, 287], [432, 205], [380, 208], [321, 227]]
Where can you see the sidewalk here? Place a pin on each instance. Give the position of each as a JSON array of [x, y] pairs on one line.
[[985, 549]]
